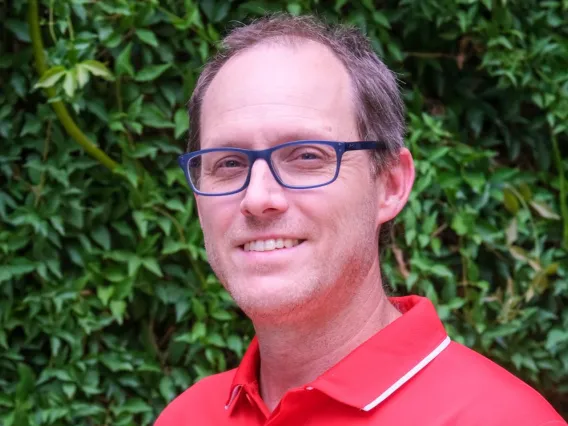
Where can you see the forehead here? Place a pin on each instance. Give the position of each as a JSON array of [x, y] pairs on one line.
[[275, 92]]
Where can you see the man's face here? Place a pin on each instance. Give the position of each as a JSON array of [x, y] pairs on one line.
[[265, 96]]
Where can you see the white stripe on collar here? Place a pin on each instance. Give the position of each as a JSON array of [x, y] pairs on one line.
[[234, 394], [408, 375]]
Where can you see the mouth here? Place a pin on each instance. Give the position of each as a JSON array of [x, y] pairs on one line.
[[271, 244]]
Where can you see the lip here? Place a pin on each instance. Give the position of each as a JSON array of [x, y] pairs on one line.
[[281, 257], [243, 241], [278, 255]]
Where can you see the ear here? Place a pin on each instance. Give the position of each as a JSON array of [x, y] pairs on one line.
[[395, 184]]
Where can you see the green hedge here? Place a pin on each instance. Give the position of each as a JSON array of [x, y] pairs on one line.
[[108, 308]]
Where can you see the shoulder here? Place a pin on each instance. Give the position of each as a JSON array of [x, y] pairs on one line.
[[494, 396], [205, 399]]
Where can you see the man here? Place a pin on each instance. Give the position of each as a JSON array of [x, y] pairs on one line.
[[297, 162]]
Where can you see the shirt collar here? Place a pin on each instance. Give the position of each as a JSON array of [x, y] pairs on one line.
[[246, 374], [375, 369]]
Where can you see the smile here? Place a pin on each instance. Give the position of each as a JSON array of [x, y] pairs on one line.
[[271, 244]]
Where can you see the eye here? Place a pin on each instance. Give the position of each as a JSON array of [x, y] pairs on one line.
[[230, 162], [308, 156], [306, 153]]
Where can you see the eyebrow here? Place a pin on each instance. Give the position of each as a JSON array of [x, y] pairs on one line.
[[279, 137]]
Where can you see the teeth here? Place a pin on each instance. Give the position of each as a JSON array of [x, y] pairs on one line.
[[269, 245]]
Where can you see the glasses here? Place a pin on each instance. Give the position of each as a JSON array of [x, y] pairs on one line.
[[294, 165]]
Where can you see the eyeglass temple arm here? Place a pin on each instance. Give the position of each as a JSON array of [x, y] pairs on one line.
[[354, 146]]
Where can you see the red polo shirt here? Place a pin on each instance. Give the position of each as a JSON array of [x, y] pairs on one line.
[[409, 373]]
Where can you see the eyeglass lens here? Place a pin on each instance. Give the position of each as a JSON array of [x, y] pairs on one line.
[[300, 166]]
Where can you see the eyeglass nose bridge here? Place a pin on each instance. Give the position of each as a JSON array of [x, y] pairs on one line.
[[265, 155]]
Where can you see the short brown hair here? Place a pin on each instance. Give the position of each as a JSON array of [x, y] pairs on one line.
[[379, 107]]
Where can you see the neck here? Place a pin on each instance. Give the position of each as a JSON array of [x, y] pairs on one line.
[[292, 356]]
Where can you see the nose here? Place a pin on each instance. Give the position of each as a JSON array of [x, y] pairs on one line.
[[264, 197]]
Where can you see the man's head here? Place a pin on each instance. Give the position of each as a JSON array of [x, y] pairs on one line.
[[278, 80]]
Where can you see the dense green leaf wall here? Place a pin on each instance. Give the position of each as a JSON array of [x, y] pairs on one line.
[[108, 308]]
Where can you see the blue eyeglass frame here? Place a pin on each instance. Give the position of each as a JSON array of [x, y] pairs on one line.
[[265, 154]]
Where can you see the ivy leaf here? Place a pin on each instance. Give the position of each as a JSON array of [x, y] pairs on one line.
[[544, 211], [32, 126], [151, 72], [97, 68], [123, 64], [381, 19], [216, 339], [442, 271], [556, 337], [141, 223], [460, 223], [294, 8], [198, 331], [221, 315], [181, 120], [198, 309], [19, 28], [70, 83], [116, 363], [26, 382], [147, 37], [235, 343], [117, 308], [511, 232], [510, 201], [151, 265], [104, 294], [134, 264], [171, 246], [135, 406], [102, 237], [82, 75], [176, 204], [167, 388], [69, 390], [51, 77], [152, 116]]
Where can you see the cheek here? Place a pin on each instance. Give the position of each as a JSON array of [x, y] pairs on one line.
[[215, 218], [352, 188], [338, 214], [352, 207]]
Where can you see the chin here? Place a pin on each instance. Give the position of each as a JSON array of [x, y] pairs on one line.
[[274, 298]]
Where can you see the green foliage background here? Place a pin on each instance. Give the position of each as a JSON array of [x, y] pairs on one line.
[[108, 308]]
